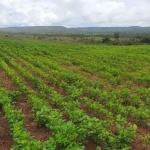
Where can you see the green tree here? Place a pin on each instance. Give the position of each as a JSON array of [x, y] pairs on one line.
[[145, 40], [116, 35], [106, 40]]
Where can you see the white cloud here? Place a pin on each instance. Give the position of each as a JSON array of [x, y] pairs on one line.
[[75, 13]]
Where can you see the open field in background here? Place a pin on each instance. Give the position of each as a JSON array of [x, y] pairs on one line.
[[88, 39], [133, 35], [73, 96]]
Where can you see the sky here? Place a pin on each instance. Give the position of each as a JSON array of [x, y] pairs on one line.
[[74, 13]]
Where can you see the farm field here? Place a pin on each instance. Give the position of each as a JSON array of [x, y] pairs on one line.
[[73, 96]]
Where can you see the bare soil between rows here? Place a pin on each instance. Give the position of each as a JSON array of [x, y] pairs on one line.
[[6, 140], [41, 133]]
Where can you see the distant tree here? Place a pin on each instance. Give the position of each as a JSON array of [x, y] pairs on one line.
[[7, 35], [138, 36], [39, 37], [106, 40], [34, 36], [116, 35], [145, 40]]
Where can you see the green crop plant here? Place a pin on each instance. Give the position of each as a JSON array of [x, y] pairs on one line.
[[80, 93], [146, 140]]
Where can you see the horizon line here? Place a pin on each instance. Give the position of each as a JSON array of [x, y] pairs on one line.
[[73, 27]]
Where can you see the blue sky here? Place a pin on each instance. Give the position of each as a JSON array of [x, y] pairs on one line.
[[74, 13]]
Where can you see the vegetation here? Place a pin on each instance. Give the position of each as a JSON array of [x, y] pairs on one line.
[[89, 35], [116, 35], [83, 94]]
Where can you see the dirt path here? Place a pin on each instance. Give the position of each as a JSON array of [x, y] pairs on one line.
[[6, 140], [5, 81], [39, 133]]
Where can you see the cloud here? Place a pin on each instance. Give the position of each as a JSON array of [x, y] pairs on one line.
[[75, 13]]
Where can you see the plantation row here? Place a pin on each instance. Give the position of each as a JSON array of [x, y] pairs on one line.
[[82, 94]]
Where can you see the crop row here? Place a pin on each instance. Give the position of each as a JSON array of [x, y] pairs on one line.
[[78, 87], [103, 97], [88, 127]]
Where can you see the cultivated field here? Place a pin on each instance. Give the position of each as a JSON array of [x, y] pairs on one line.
[[74, 97]]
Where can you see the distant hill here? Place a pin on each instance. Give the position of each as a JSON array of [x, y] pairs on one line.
[[134, 29], [80, 30], [34, 29]]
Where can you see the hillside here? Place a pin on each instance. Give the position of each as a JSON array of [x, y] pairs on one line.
[[61, 29]]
